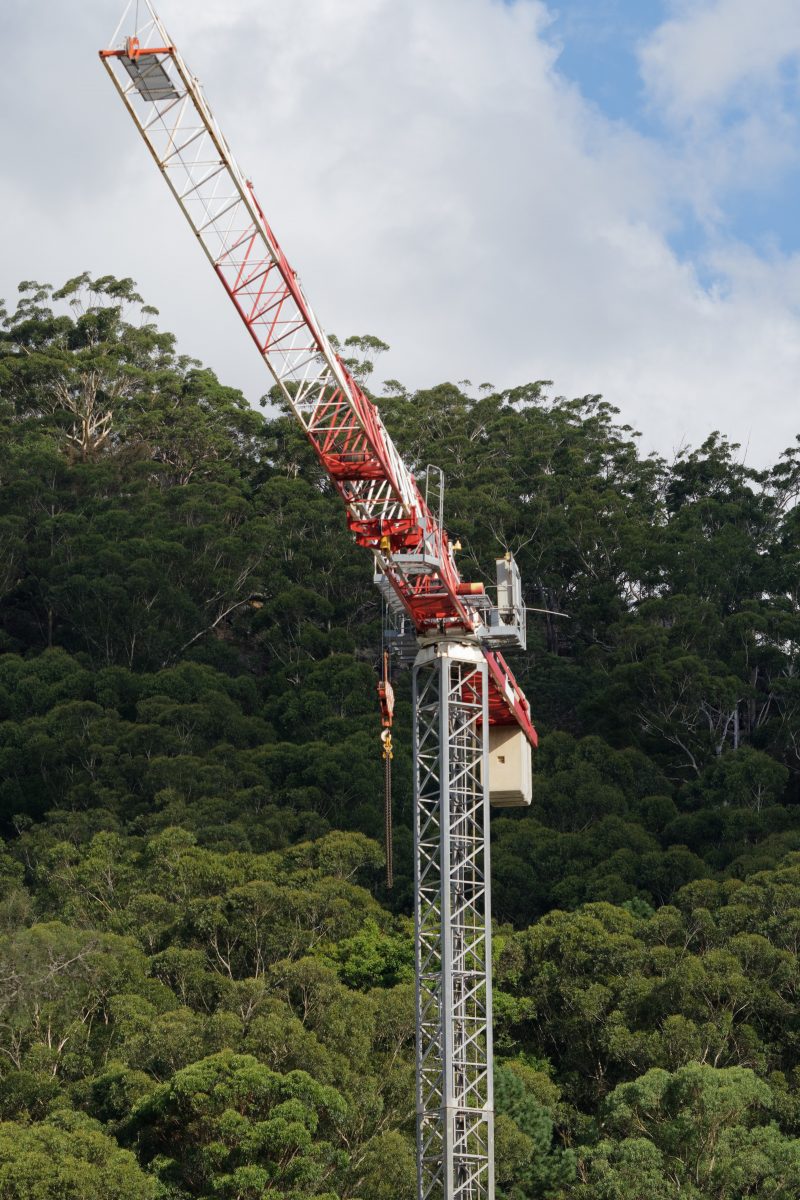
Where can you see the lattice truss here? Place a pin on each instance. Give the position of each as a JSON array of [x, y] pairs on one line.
[[455, 1152], [385, 508], [168, 106]]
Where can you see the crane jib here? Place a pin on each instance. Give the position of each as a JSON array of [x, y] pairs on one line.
[[385, 510]]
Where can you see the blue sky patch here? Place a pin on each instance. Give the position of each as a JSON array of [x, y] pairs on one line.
[[598, 41], [766, 218]]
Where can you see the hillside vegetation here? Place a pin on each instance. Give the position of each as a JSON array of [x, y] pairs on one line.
[[205, 989]]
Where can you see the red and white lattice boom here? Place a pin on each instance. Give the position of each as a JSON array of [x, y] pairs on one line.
[[386, 510]]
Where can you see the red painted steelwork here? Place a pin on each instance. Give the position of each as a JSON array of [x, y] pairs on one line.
[[386, 512]]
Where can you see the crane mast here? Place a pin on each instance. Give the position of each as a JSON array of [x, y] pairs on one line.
[[471, 719]]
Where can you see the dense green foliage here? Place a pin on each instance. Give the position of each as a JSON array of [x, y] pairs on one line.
[[205, 990]]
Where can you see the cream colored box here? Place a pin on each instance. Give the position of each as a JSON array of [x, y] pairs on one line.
[[510, 767]]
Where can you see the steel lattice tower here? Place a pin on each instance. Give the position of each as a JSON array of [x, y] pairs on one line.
[[455, 1103]]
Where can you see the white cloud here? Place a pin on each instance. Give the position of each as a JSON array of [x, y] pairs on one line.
[[723, 77], [435, 181], [713, 53]]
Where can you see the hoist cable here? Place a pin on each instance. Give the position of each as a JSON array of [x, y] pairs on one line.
[[387, 832]]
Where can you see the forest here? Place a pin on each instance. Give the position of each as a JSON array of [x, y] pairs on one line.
[[206, 990]]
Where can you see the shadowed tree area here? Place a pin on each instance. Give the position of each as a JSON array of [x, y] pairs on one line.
[[205, 990]]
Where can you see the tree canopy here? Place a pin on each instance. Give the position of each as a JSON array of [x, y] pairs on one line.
[[206, 989]]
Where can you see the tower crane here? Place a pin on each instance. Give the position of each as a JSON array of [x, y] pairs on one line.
[[472, 725]]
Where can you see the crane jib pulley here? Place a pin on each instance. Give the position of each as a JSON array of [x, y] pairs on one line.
[[385, 508]]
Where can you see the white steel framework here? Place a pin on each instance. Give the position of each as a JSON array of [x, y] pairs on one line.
[[455, 1102], [167, 105]]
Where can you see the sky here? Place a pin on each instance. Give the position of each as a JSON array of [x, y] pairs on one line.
[[600, 193]]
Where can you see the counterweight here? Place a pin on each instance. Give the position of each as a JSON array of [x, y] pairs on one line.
[[463, 686]]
